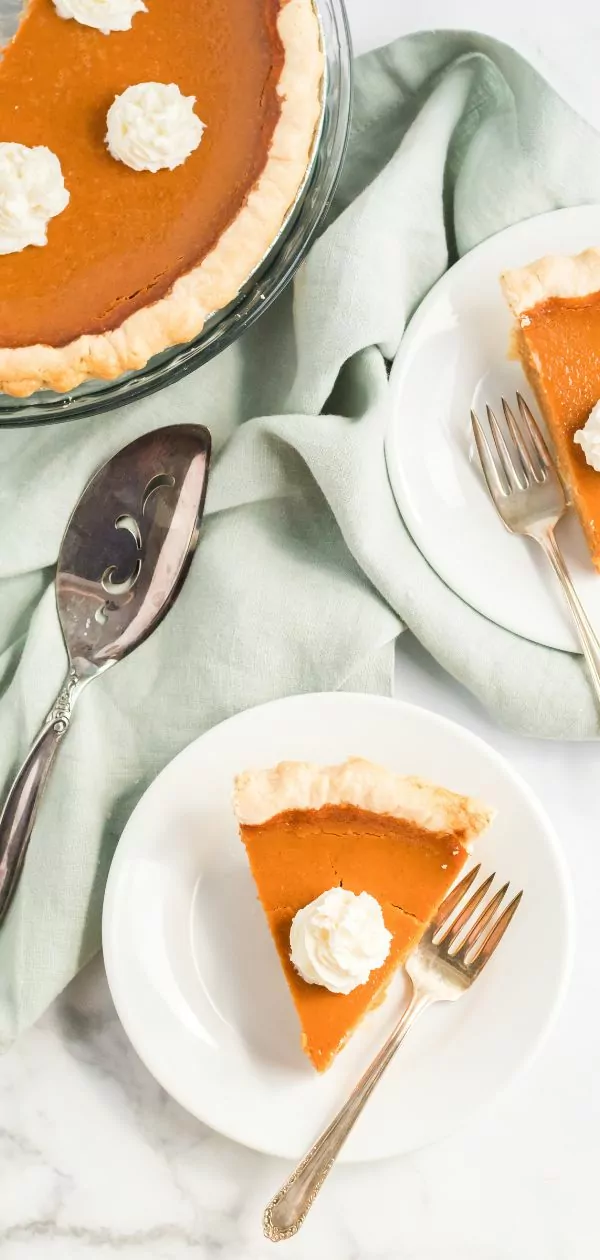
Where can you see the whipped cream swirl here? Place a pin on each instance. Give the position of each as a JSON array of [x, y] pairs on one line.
[[153, 127], [339, 939], [103, 15], [32, 191], [588, 438]]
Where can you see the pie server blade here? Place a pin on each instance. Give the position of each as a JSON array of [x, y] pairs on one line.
[[123, 559]]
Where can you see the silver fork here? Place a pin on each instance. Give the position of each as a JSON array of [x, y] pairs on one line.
[[530, 499], [442, 968]]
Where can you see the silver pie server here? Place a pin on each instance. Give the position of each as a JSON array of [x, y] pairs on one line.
[[123, 558]]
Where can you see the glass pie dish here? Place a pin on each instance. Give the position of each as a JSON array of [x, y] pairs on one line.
[[261, 288]]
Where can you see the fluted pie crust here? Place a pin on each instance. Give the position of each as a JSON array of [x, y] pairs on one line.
[[554, 276], [180, 313], [299, 785], [307, 828], [555, 302]]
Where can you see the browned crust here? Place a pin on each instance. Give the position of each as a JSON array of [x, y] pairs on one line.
[[293, 785], [554, 276]]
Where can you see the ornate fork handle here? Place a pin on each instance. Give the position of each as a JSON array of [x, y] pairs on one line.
[[20, 807], [289, 1208]]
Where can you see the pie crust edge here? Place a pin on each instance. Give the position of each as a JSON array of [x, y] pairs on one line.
[[180, 315], [296, 785], [554, 276]]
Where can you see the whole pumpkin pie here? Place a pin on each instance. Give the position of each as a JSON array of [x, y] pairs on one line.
[[331, 843], [139, 259], [556, 305]]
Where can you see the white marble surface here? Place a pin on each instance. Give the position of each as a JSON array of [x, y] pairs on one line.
[[97, 1163]]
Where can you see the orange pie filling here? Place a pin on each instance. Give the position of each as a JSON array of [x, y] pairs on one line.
[[139, 258], [296, 855], [126, 236]]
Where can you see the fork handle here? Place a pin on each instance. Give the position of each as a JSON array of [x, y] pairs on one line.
[[587, 635], [288, 1210]]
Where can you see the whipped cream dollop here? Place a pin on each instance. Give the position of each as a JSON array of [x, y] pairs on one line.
[[32, 191], [103, 15], [153, 127], [339, 939], [588, 438]]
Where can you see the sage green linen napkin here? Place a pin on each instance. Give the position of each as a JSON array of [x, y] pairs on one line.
[[305, 573]]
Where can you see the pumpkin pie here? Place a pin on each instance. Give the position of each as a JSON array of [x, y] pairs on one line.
[[308, 829], [556, 305], [138, 260]]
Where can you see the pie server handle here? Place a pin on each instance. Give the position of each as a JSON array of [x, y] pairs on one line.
[[21, 805]]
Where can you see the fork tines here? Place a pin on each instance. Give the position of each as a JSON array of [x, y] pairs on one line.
[[528, 462], [481, 939]]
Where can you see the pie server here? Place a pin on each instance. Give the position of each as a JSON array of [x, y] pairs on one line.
[[122, 562]]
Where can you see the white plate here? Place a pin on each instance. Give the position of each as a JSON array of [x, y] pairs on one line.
[[196, 981], [454, 357]]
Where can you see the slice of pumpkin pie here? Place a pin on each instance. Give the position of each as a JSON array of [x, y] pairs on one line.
[[350, 864], [556, 307]]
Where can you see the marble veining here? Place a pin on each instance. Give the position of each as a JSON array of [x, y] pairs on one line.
[[96, 1161]]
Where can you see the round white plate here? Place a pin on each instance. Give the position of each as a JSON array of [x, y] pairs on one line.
[[454, 357], [196, 980]]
